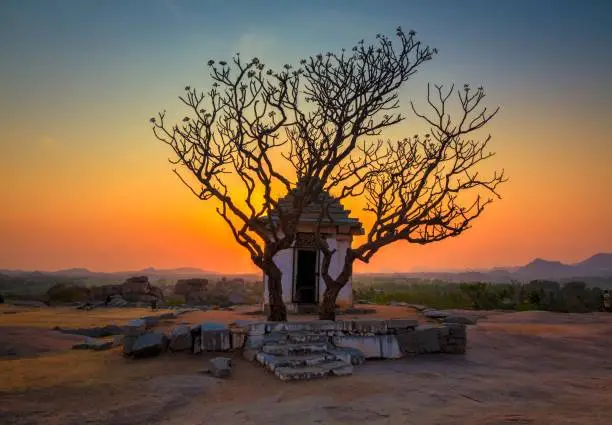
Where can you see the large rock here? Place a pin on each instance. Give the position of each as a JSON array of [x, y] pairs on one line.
[[185, 286], [136, 285], [181, 339], [149, 344], [220, 367]]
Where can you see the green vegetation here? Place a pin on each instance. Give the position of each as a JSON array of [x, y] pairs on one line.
[[571, 297]]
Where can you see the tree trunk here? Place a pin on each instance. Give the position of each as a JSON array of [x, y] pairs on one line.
[[327, 309], [278, 311]]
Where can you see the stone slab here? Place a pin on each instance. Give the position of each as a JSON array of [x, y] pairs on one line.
[[368, 345], [370, 326], [293, 349], [402, 324], [300, 373], [348, 355]]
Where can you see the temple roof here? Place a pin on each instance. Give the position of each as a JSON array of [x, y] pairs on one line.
[[337, 215]]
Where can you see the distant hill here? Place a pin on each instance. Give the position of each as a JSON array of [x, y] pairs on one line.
[[598, 266], [593, 268]]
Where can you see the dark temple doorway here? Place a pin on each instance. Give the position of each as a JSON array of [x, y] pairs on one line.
[[306, 277]]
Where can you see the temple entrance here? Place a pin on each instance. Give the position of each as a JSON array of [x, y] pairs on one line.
[[306, 274]]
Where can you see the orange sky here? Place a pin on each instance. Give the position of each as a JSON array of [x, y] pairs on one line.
[[84, 183]]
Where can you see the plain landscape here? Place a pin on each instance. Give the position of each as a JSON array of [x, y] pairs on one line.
[[521, 367]]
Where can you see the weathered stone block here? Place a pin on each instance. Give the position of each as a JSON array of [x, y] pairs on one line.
[[300, 373], [180, 338], [303, 337], [257, 328], [254, 342], [275, 338], [294, 349], [408, 342], [372, 326], [323, 326], [197, 344], [238, 339], [215, 340], [348, 355], [273, 362], [402, 324], [427, 339], [368, 345], [149, 344], [389, 347], [220, 367]]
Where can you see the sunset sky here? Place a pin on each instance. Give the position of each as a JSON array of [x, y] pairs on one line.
[[85, 184]]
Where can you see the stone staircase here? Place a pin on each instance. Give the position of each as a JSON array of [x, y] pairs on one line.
[[317, 349], [300, 355]]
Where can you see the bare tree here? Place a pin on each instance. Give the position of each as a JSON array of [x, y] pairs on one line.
[[255, 134]]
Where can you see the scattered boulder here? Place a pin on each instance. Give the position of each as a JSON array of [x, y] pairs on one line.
[[148, 345], [220, 367], [181, 338], [136, 285]]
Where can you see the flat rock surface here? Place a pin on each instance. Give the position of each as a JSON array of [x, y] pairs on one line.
[[529, 368]]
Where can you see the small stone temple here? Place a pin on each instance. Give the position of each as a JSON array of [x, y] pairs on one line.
[[303, 285]]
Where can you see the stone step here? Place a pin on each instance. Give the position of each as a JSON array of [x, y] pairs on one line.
[[321, 370], [294, 349], [307, 338], [272, 362]]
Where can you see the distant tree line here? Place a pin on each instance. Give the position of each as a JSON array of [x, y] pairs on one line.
[[570, 297]]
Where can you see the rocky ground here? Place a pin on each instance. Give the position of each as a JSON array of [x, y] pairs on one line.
[[521, 368]]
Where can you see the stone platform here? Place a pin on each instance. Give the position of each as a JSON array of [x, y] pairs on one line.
[[315, 349]]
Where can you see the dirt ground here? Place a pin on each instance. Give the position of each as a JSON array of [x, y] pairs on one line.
[[520, 368]]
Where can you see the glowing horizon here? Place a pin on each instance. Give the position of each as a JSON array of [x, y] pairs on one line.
[[85, 184]]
